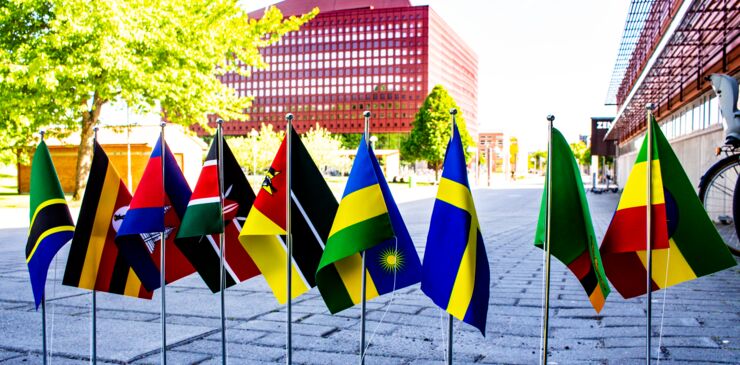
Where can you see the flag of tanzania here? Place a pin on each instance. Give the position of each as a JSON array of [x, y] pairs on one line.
[[312, 209], [51, 224], [155, 209], [203, 219], [686, 245], [455, 272], [572, 238], [362, 223], [94, 261]]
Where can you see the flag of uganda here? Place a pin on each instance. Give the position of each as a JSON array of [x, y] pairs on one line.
[[685, 243], [94, 261], [203, 219], [312, 211], [51, 224]]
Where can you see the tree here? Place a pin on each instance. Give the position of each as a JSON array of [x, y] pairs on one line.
[[324, 149], [581, 152], [430, 131], [255, 152], [62, 60]]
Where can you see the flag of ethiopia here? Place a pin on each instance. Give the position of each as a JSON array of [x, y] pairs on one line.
[[572, 238], [686, 245], [51, 224]]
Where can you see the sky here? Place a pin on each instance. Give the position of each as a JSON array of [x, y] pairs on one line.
[[535, 57]]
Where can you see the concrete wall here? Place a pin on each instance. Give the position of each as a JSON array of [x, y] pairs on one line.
[[695, 151]]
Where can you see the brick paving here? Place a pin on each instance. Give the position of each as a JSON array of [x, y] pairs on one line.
[[700, 322]]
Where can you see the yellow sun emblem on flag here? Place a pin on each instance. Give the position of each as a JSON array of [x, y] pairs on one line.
[[391, 260]]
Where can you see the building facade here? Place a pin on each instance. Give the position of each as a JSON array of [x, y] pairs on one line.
[[492, 143], [356, 55], [668, 50]]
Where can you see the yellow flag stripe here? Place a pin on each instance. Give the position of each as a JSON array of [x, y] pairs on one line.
[[133, 284], [678, 270], [48, 232], [359, 206], [462, 290], [350, 271], [258, 224], [635, 191], [456, 194], [101, 225], [269, 255], [43, 205]]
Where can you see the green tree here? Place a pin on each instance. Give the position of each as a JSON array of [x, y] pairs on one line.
[[581, 152], [62, 60], [324, 149], [430, 131], [255, 151]]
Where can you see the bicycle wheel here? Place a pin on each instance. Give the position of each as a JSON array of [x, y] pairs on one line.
[[735, 248], [716, 192]]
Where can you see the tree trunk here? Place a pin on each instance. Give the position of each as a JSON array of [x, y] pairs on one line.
[[84, 151]]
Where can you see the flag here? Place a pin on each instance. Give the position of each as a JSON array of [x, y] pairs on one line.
[[51, 225], [203, 220], [94, 261], [368, 220], [572, 238], [155, 209], [685, 243], [455, 273], [312, 211]]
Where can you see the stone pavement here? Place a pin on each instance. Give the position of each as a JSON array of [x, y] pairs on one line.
[[700, 320]]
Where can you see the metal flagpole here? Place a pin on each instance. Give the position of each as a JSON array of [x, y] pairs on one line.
[[94, 321], [289, 234], [43, 304], [162, 252], [548, 230], [649, 229], [222, 236], [453, 112], [363, 289]]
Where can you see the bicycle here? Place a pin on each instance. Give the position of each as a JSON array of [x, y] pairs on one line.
[[719, 186]]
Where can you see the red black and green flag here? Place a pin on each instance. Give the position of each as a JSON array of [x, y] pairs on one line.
[[94, 261], [203, 219], [572, 238], [51, 224], [685, 242]]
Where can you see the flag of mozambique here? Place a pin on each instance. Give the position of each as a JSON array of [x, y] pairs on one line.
[[686, 245], [312, 210], [94, 261], [572, 238], [455, 272], [204, 219], [367, 220], [51, 224]]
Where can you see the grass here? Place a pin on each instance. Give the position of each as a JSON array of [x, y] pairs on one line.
[[9, 197]]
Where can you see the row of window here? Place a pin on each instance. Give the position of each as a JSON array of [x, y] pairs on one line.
[[329, 90], [333, 117], [292, 39], [330, 107], [318, 30], [359, 54], [331, 81], [320, 73], [701, 114]]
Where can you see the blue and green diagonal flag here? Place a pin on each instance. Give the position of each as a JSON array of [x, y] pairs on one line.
[[455, 272], [367, 220], [51, 223]]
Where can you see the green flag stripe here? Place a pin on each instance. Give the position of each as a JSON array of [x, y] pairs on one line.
[[197, 221], [332, 289], [357, 238], [44, 182]]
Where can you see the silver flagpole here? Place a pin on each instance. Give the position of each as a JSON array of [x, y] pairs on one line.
[[43, 304], [222, 236], [94, 321], [649, 229], [363, 289], [162, 252], [289, 235], [548, 230], [453, 112]]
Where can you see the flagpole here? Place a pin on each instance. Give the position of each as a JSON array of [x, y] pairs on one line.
[[649, 227], [363, 289], [453, 112], [94, 321], [162, 252], [221, 237], [43, 302], [546, 307], [289, 235]]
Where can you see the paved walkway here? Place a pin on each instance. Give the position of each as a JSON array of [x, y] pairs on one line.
[[701, 321]]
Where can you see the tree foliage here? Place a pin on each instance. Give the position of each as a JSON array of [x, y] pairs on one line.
[[255, 151], [430, 130], [582, 153], [62, 60], [324, 149]]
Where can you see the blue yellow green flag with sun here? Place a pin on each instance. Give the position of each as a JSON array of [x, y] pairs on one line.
[[455, 273], [367, 220]]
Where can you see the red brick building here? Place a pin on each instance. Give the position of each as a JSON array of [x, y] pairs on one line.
[[378, 55]]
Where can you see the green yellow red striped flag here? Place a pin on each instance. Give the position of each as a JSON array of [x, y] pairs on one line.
[[686, 245]]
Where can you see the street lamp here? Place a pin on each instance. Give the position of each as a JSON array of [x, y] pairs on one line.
[[373, 139], [254, 134], [488, 163]]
